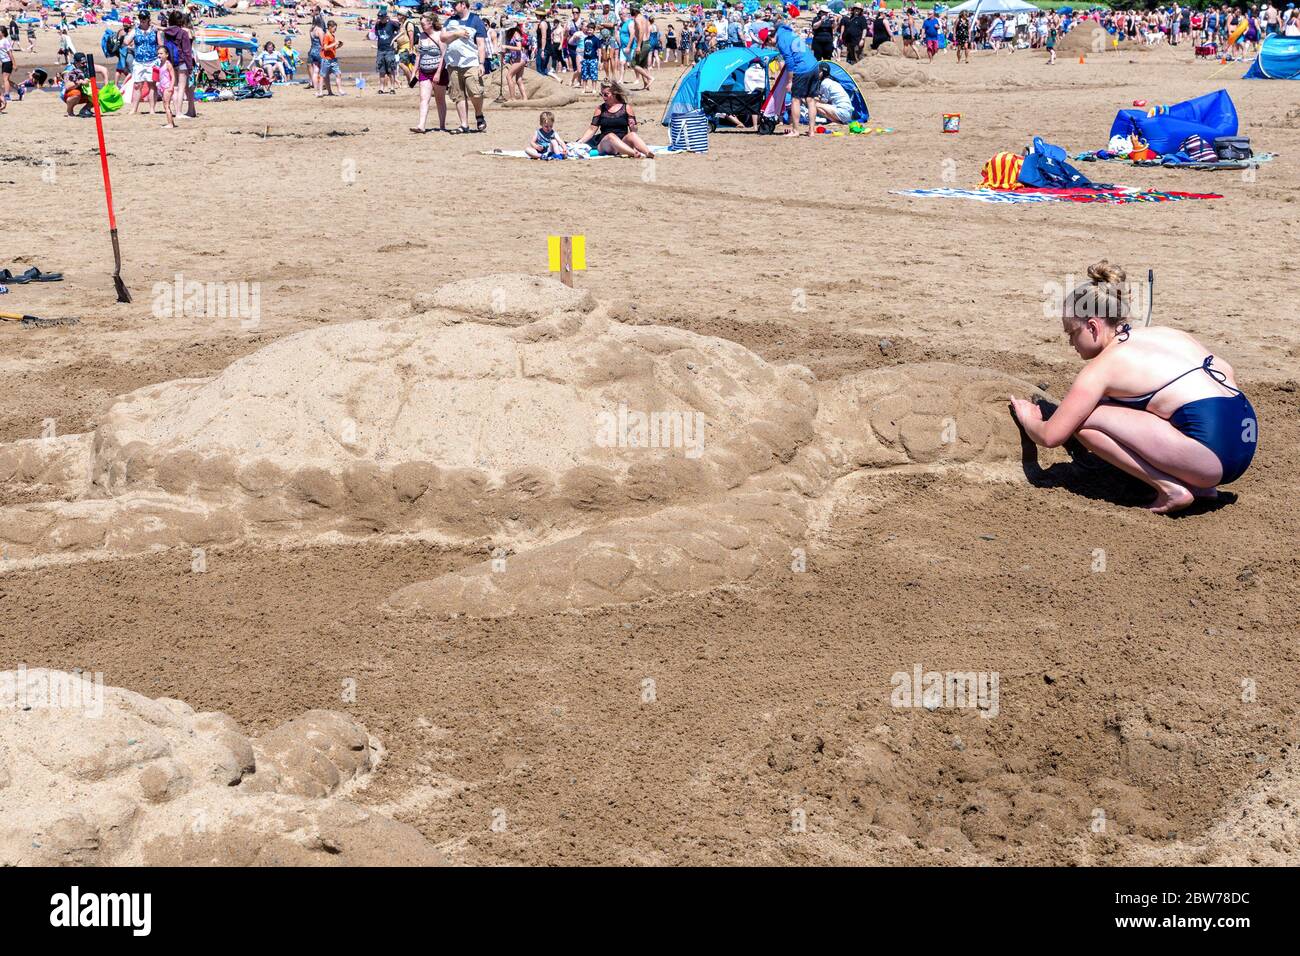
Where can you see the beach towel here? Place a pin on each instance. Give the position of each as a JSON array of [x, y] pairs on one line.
[[1114, 196], [520, 154], [1002, 171], [1180, 161]]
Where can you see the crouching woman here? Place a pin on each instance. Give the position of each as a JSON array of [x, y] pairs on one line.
[[1153, 402]]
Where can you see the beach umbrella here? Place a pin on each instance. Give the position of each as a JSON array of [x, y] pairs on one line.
[[979, 8], [225, 37]]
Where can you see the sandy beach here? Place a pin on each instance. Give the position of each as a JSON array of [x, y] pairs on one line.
[[1120, 689]]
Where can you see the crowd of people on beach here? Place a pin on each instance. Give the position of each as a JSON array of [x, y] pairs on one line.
[[448, 50]]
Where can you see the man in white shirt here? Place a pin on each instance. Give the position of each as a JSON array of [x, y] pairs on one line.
[[464, 59]]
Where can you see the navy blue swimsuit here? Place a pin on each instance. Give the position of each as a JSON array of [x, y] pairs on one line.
[[1225, 424]]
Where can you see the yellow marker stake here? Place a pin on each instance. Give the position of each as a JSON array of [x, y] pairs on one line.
[[567, 254]]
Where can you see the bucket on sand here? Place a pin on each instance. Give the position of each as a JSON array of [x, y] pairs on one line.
[[951, 122]]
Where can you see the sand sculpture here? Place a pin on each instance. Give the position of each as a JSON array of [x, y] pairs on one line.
[[101, 776], [595, 461]]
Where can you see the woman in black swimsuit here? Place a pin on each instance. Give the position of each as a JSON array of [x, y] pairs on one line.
[[613, 127]]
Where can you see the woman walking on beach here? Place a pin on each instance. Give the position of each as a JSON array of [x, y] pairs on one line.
[[1154, 402], [515, 46], [6, 64], [314, 53], [962, 37], [431, 48]]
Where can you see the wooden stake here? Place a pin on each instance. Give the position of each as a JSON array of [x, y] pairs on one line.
[[566, 260]]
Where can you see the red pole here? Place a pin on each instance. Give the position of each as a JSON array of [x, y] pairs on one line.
[[122, 294]]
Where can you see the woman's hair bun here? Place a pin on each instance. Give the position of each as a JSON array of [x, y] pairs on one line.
[[1103, 271]]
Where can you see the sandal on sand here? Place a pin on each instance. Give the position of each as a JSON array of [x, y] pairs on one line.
[[482, 124], [31, 275], [414, 130], [454, 132]]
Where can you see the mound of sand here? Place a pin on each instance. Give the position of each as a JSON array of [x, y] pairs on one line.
[[1090, 38], [506, 298], [544, 93], [458, 395], [888, 74], [102, 776], [469, 421]]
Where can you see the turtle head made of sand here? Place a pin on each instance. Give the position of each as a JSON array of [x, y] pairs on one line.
[[596, 461]]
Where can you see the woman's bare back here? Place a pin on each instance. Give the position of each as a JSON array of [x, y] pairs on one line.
[[1151, 360]]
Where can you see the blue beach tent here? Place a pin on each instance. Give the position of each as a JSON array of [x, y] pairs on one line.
[[725, 70], [1208, 116], [720, 70], [1278, 59]]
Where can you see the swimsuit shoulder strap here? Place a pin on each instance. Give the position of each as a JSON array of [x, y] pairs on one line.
[[1214, 373]]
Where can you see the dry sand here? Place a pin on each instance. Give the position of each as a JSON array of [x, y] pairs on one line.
[[1120, 692]]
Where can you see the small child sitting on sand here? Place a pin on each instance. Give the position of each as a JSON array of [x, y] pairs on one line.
[[546, 143]]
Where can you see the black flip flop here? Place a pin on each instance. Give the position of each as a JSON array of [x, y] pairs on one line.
[[456, 132], [9, 278]]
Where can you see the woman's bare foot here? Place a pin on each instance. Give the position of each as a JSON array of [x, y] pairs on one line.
[[1170, 497]]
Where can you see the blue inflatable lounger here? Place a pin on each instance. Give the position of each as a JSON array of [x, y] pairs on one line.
[[1209, 117]]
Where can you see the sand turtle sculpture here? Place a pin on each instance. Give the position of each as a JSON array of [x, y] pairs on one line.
[[590, 460]]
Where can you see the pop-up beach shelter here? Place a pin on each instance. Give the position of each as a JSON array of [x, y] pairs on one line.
[[1278, 59], [719, 71]]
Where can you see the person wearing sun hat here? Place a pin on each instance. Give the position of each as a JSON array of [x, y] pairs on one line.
[[852, 29]]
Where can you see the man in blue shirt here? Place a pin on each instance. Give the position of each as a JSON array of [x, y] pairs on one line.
[[804, 81], [930, 30]]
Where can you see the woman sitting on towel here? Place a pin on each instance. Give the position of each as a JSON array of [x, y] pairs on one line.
[[613, 128], [1153, 402]]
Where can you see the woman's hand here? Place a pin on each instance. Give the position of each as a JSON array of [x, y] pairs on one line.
[[1029, 415]]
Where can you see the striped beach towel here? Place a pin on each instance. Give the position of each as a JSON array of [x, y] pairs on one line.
[[1002, 171], [1118, 197]]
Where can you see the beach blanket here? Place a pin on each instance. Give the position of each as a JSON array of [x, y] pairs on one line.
[[1115, 196], [1172, 161], [520, 154]]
